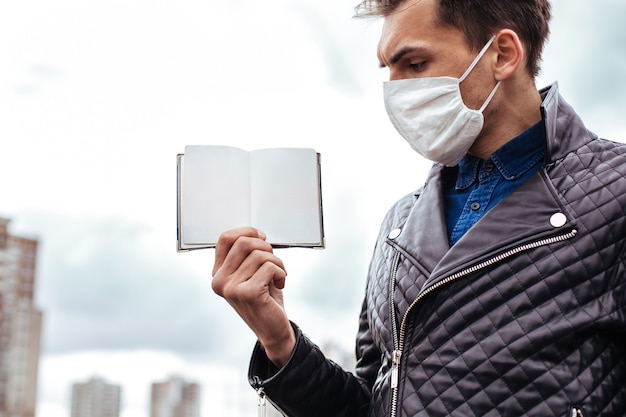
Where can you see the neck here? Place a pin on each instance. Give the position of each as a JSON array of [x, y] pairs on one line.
[[507, 119]]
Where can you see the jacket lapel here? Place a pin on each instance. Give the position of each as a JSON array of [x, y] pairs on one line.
[[530, 213], [424, 237]]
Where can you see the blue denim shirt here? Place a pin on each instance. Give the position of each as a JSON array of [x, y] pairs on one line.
[[480, 185]]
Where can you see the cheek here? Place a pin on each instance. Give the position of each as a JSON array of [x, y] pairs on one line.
[[470, 95], [476, 88]]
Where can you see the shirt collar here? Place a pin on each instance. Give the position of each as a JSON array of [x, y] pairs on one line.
[[512, 160]]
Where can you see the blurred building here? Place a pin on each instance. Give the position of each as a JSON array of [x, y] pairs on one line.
[[96, 398], [20, 325], [175, 398]]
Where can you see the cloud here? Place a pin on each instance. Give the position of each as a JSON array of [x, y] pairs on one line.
[[108, 283], [36, 77], [342, 50]]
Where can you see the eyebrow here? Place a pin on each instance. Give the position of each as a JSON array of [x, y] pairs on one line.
[[395, 58]]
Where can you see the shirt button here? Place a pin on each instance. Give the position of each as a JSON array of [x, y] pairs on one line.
[[489, 167], [475, 206], [394, 233]]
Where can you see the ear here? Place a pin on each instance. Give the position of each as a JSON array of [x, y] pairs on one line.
[[510, 54]]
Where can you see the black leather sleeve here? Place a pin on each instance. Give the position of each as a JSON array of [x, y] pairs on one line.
[[309, 385]]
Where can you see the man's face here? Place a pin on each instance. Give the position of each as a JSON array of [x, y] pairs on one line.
[[414, 44]]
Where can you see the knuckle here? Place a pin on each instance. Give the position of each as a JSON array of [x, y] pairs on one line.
[[217, 286], [238, 295], [242, 244], [230, 236], [272, 269], [249, 245], [231, 292]]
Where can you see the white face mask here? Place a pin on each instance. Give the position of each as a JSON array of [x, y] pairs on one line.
[[430, 114]]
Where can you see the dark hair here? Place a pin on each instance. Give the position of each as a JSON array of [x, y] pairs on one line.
[[481, 19]]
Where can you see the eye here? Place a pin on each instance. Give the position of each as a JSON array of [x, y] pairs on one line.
[[416, 66]]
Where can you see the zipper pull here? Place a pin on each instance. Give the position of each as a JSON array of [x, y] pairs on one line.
[[262, 406], [395, 365], [577, 412]]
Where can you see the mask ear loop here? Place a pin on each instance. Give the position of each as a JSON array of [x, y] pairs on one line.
[[471, 67], [475, 61], [493, 92]]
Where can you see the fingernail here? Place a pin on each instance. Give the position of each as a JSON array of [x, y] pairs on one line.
[[262, 235]]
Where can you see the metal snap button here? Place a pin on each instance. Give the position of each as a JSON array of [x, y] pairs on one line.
[[394, 233], [558, 220], [475, 206]]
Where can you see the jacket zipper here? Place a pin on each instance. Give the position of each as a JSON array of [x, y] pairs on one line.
[[398, 336], [397, 353], [262, 405], [577, 412]]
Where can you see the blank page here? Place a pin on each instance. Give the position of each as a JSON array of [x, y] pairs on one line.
[[215, 192], [285, 195]]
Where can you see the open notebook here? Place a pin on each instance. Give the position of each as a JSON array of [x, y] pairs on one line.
[[276, 190]]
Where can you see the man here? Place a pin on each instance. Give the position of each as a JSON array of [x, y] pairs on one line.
[[499, 288]]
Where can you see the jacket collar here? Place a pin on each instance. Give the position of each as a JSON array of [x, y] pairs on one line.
[[565, 131]]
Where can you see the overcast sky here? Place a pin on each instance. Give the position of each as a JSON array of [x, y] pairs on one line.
[[97, 98]]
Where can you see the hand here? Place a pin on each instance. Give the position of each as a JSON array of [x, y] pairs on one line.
[[251, 278]]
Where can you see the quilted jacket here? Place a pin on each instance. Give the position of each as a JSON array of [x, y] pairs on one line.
[[524, 316]]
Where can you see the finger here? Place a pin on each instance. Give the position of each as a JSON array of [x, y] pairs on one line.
[[257, 262], [245, 248], [238, 269], [265, 267], [228, 239], [258, 289], [246, 257]]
